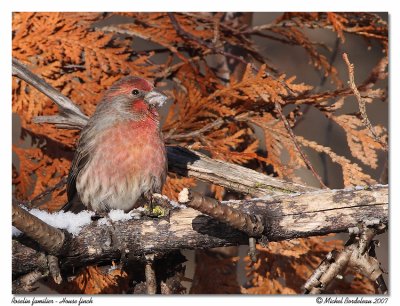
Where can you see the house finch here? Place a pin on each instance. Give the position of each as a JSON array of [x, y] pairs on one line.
[[120, 159]]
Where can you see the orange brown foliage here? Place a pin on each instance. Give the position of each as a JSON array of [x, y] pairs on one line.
[[92, 280]]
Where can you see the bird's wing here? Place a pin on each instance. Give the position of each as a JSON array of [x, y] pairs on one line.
[[80, 160], [84, 148]]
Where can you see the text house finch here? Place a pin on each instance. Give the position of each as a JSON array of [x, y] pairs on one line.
[[120, 158]]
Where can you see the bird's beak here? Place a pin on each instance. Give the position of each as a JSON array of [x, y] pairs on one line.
[[155, 98]]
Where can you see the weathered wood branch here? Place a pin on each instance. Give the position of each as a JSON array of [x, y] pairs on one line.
[[234, 177], [285, 217], [70, 115], [182, 161]]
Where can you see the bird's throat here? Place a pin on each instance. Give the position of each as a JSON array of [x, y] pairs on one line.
[[146, 114]]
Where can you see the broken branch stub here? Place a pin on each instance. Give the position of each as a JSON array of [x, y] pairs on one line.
[[252, 225], [51, 239]]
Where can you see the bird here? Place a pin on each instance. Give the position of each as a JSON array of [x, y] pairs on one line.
[[120, 158]]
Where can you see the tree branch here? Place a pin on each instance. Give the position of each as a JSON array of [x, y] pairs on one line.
[[50, 239], [285, 217], [190, 163], [70, 115]]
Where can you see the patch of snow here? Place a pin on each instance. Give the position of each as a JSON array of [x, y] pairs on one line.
[[15, 232], [371, 222], [136, 216], [119, 215], [137, 213], [103, 221], [177, 205], [354, 230], [183, 196], [68, 221]]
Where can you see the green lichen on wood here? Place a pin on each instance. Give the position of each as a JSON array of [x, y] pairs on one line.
[[259, 185]]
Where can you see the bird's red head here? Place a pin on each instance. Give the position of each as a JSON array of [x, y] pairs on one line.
[[130, 85], [138, 92]]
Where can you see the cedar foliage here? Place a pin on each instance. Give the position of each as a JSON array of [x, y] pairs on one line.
[[223, 90]]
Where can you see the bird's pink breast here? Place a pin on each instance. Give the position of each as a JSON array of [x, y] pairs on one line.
[[133, 147], [128, 160]]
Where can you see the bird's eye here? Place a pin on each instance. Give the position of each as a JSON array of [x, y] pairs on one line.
[[135, 92]]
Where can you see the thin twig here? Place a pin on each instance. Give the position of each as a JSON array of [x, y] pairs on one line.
[[309, 24], [361, 103], [131, 32], [324, 78], [82, 67], [329, 127], [49, 190], [170, 70], [222, 69], [210, 126], [186, 35], [229, 30], [293, 137], [215, 124]]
